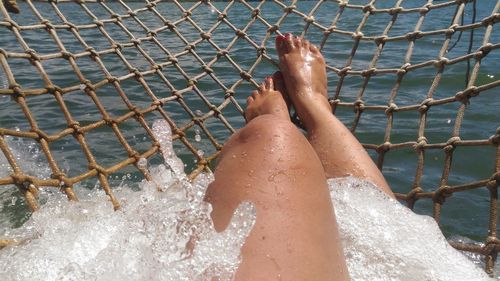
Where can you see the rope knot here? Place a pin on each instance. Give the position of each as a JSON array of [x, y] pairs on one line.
[[261, 50], [359, 105], [421, 143], [18, 92], [412, 36], [109, 121], [330, 30], [466, 94], [40, 134], [495, 139], [450, 144], [71, 25], [425, 9], [273, 28], [170, 25], [33, 55], [383, 148], [357, 35], [132, 13], [441, 194], [381, 39], [172, 59], [117, 46], [221, 16], [222, 53], [228, 93], [391, 108], [344, 71], [192, 82], [490, 20], [215, 109], [98, 168], [11, 24], [48, 24], [485, 49], [394, 11], [136, 42], [99, 23], [207, 69], [441, 62], [493, 183], [112, 79], [206, 35], [425, 105], [92, 52], [369, 8], [309, 19], [255, 12], [368, 72], [245, 75], [67, 55], [190, 47], [136, 72], [289, 9], [412, 195], [75, 125], [151, 33], [451, 30], [239, 33]]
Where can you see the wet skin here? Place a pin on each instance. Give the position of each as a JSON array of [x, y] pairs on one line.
[[271, 164]]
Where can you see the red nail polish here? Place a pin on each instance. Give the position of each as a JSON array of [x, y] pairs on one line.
[[280, 38]]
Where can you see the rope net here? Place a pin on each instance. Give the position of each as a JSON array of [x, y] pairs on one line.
[[110, 68]]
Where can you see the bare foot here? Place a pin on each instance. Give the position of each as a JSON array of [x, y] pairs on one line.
[[304, 72], [268, 99]]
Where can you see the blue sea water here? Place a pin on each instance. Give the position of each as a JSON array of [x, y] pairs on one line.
[[465, 213]]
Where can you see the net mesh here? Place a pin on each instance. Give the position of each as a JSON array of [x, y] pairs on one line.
[[139, 61]]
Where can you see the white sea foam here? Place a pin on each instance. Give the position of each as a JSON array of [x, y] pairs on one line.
[[169, 235], [383, 240], [166, 235]]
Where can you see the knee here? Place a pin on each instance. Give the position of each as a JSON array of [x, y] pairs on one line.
[[269, 126]]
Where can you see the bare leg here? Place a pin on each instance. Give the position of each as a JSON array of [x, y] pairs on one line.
[[304, 73], [272, 165]]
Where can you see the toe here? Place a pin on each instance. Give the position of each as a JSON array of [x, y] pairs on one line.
[[269, 83], [249, 100], [284, 43], [288, 42], [314, 49], [297, 42], [255, 94], [305, 44]]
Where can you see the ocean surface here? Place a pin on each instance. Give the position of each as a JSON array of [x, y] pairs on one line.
[[464, 216]]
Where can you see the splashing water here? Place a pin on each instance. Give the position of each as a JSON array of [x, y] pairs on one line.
[[169, 235], [383, 240], [165, 235]]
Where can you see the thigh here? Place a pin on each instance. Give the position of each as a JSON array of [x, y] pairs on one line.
[[272, 165]]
